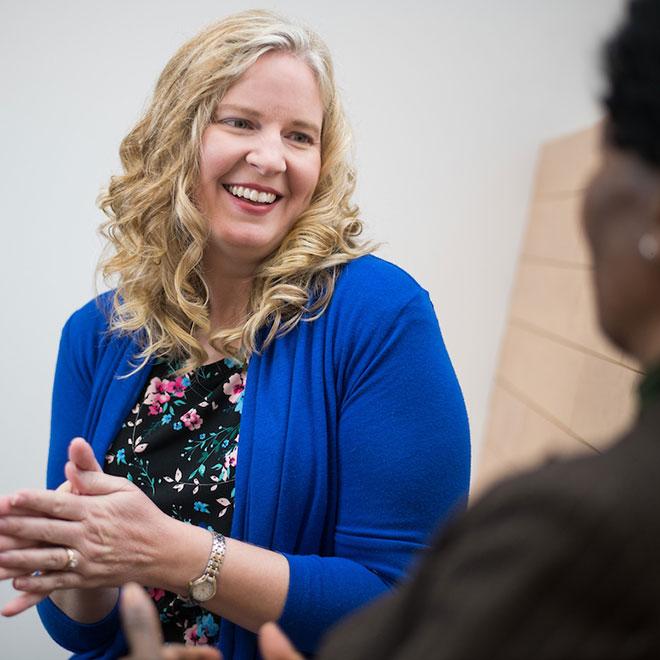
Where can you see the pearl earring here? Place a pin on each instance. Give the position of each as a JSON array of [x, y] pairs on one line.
[[648, 247]]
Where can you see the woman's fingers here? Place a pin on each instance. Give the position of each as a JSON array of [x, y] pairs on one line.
[[41, 530], [56, 504], [13, 543], [34, 559], [47, 582], [141, 624], [81, 454], [81, 459], [87, 482], [21, 603], [7, 507]]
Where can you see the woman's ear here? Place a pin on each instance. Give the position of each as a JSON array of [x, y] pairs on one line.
[[648, 244]]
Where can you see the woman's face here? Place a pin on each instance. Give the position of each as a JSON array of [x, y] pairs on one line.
[[621, 205], [260, 160]]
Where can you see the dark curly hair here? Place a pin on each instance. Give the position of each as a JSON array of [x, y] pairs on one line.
[[632, 65]]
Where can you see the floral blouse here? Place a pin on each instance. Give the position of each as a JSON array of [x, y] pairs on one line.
[[179, 444]]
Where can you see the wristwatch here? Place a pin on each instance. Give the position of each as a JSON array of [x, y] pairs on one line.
[[204, 587]]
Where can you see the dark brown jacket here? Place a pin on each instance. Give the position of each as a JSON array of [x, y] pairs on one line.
[[562, 563]]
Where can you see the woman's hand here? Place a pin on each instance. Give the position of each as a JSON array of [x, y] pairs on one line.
[[111, 528], [27, 600]]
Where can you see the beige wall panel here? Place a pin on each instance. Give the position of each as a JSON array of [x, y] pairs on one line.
[[520, 438], [561, 387], [630, 362], [506, 422], [559, 300], [555, 232], [567, 162], [605, 403], [542, 370], [545, 296], [492, 468]]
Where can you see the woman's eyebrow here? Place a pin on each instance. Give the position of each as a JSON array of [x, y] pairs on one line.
[[251, 112], [241, 109]]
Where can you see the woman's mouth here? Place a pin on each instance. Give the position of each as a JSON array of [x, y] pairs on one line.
[[257, 197]]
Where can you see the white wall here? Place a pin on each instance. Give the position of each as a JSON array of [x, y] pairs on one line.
[[449, 100]]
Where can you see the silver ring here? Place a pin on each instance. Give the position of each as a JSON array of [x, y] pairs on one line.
[[72, 560]]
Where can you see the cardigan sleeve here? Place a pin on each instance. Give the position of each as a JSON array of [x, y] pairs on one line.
[[71, 399], [403, 465]]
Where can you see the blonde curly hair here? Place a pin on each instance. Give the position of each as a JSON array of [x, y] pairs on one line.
[[157, 236]]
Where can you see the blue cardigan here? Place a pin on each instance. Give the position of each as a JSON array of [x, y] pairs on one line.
[[354, 443]]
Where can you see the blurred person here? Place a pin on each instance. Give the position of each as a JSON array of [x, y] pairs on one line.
[[246, 305]]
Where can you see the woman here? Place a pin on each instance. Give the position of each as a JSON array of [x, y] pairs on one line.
[[245, 301]]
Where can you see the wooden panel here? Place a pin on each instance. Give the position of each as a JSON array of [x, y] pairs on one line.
[[555, 232], [543, 370], [520, 437], [566, 163], [559, 301], [561, 387], [605, 402]]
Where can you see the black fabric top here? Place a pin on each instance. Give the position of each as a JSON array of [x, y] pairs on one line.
[[179, 444]]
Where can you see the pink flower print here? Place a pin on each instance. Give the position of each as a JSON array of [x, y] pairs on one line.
[[192, 637], [163, 397], [234, 387], [154, 408], [192, 420], [177, 387], [155, 593], [230, 458], [155, 387]]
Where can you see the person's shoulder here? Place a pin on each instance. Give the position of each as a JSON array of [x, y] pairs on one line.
[[92, 317], [371, 280], [86, 336]]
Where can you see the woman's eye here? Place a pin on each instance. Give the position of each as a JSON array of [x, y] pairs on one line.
[[302, 138], [236, 123]]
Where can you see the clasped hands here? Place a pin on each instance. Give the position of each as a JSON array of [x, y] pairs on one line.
[[96, 530]]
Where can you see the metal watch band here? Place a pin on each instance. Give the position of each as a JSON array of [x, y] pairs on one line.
[[217, 555]]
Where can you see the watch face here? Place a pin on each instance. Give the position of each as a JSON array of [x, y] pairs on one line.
[[202, 591]]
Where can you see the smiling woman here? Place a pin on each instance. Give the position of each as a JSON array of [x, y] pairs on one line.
[[258, 169], [244, 390]]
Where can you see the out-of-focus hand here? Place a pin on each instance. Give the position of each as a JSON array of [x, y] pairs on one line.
[[143, 633], [110, 527], [275, 645]]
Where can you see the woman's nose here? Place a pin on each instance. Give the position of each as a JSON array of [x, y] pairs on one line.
[[267, 155]]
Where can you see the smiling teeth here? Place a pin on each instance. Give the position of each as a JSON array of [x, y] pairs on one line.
[[252, 195]]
